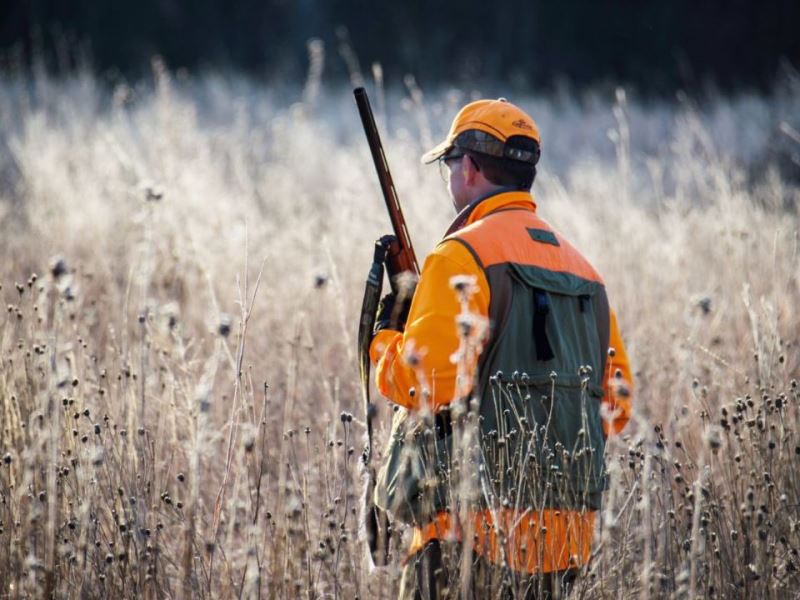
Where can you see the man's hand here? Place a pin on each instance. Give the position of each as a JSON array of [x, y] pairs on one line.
[[392, 314]]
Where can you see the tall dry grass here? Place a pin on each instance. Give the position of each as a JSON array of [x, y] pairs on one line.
[[183, 262]]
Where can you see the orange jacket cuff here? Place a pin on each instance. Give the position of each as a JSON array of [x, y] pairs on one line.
[[380, 343]]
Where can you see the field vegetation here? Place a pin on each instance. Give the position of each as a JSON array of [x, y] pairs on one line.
[[183, 261]]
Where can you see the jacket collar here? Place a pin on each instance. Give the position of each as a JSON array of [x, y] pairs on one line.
[[504, 198]]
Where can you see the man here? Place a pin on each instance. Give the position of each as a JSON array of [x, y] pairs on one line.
[[551, 381]]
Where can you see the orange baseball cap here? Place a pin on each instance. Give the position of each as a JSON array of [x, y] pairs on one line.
[[494, 127]]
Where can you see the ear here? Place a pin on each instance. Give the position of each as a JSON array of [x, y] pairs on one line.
[[469, 171]]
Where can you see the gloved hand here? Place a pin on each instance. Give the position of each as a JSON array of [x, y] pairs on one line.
[[391, 313]]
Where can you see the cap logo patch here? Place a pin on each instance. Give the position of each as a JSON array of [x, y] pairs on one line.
[[521, 124]]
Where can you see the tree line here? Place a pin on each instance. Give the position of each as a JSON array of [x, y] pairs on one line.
[[654, 46]]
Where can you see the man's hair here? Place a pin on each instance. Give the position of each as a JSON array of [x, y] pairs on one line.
[[505, 171]]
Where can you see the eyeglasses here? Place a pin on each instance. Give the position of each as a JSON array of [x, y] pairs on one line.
[[446, 160]]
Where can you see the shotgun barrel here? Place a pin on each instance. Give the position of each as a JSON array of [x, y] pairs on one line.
[[401, 258]]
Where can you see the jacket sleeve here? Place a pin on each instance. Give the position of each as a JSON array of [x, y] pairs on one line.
[[617, 383], [419, 364]]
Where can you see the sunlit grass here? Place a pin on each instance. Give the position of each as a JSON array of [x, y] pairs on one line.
[[183, 262]]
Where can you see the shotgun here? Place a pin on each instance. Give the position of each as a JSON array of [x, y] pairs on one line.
[[400, 256], [395, 255]]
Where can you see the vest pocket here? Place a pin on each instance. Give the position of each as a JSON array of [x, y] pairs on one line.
[[560, 308], [415, 481]]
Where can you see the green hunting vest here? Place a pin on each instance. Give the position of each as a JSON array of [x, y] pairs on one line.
[[539, 388]]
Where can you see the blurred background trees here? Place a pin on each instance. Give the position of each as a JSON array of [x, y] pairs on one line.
[[653, 46]]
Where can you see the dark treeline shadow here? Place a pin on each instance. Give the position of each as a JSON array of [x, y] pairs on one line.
[[656, 47]]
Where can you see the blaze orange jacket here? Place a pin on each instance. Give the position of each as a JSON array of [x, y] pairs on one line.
[[421, 357]]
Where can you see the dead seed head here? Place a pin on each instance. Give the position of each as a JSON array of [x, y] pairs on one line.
[[153, 193], [713, 438], [406, 282], [464, 285], [58, 267], [224, 326], [412, 356]]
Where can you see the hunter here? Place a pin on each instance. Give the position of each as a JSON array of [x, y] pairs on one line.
[[552, 380]]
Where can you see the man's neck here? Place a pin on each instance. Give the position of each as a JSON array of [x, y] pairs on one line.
[[464, 213], [485, 191]]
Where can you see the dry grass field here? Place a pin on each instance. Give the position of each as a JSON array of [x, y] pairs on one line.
[[183, 262]]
